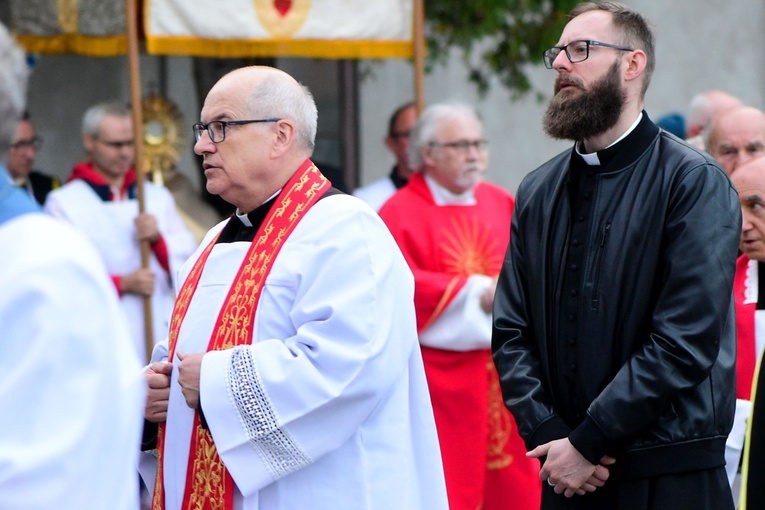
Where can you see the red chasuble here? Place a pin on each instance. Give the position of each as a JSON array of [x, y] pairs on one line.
[[483, 455], [745, 284], [209, 485]]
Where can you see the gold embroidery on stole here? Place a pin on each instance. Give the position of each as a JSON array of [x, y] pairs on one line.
[[211, 484]]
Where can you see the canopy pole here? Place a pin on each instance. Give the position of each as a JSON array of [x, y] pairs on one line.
[[131, 21], [418, 40]]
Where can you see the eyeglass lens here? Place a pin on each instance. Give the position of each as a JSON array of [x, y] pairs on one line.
[[465, 145], [215, 129], [33, 143], [576, 51]]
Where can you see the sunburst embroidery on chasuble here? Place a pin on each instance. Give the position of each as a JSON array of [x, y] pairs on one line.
[[500, 427], [470, 248]]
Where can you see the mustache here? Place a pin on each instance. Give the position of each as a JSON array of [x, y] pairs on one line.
[[562, 80], [472, 167]]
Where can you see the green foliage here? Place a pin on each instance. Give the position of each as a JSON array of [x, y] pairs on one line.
[[496, 37]]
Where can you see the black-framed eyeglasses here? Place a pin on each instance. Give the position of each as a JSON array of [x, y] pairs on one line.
[[217, 128], [463, 146], [117, 144], [33, 143], [577, 51]]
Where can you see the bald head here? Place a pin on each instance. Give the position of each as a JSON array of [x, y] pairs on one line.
[[736, 135], [257, 128], [266, 92], [704, 107], [749, 181]]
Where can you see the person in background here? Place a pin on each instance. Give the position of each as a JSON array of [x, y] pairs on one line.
[[453, 228], [397, 141], [702, 109], [100, 200], [21, 160], [673, 123], [749, 181], [614, 332], [71, 386], [736, 136], [291, 378]]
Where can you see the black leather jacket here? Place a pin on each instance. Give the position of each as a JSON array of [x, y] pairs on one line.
[[656, 314]]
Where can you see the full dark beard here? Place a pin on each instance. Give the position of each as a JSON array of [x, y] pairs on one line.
[[589, 114]]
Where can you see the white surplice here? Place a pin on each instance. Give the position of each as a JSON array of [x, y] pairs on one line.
[[376, 193], [110, 227], [71, 386], [329, 407]]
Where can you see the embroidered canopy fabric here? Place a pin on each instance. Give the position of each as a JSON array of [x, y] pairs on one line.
[[85, 27], [301, 28], [224, 28]]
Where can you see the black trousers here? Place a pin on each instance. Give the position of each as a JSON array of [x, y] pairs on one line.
[[698, 490]]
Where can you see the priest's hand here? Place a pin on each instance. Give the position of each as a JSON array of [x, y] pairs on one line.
[[565, 468], [188, 377], [599, 476], [146, 228], [158, 378], [139, 282]]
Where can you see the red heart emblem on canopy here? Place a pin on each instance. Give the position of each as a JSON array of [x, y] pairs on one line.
[[283, 6]]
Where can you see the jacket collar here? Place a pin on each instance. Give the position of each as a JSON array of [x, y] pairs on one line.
[[625, 151]]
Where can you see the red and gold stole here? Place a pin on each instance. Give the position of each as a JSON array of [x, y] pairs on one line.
[[209, 485]]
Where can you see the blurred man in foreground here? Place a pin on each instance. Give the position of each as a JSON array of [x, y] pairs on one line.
[[71, 386]]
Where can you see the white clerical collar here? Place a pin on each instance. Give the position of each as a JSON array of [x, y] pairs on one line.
[[592, 158], [442, 196], [246, 219]]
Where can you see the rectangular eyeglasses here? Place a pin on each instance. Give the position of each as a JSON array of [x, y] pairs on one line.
[[577, 51], [217, 128]]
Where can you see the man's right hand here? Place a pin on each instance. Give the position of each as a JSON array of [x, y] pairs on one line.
[[567, 470], [158, 380], [138, 282]]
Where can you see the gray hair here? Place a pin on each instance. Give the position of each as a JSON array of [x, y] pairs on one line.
[[424, 132], [13, 88], [705, 105], [279, 96], [91, 120]]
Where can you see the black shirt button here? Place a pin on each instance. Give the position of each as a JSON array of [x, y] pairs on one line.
[[574, 292]]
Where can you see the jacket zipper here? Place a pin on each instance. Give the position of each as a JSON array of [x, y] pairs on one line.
[[598, 264]]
